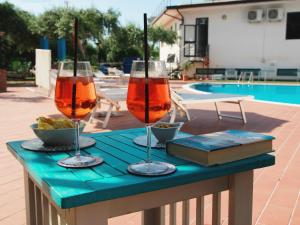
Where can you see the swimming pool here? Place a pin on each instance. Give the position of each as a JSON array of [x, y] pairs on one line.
[[265, 92]]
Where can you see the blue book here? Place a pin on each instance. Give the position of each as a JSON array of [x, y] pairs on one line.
[[221, 147]]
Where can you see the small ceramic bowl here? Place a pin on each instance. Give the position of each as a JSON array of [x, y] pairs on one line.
[[165, 134], [57, 137]]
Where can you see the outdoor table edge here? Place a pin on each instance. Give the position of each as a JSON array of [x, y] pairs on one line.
[[134, 187]]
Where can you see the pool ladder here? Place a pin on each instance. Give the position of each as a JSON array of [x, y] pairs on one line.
[[242, 78]]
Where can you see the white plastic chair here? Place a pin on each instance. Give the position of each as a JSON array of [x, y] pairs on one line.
[[231, 73], [110, 97], [268, 72]]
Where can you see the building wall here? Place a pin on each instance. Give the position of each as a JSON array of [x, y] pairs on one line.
[[165, 49], [236, 43]]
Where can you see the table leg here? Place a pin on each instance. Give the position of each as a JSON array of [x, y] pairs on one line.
[[218, 111], [216, 209], [186, 212], [54, 218], [200, 210], [155, 216], [45, 209], [29, 200], [86, 215], [240, 198], [38, 206], [173, 213], [242, 112]]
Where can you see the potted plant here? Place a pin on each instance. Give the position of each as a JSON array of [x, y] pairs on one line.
[[185, 68]]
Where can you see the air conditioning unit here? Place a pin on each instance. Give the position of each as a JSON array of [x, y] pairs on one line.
[[255, 15], [275, 14]]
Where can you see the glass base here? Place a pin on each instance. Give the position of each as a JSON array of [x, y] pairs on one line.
[[80, 161], [151, 169]]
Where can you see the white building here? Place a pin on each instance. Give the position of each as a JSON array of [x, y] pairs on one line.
[[252, 34]]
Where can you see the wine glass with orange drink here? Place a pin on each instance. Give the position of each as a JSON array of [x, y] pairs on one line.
[[149, 109], [75, 97]]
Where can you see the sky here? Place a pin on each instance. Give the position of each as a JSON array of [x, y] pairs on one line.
[[131, 10]]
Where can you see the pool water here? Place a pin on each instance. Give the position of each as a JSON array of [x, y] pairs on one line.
[[275, 93]]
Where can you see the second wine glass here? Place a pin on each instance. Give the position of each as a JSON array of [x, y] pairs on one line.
[[159, 103]]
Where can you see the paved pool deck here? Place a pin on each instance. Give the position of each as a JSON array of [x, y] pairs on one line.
[[276, 189]]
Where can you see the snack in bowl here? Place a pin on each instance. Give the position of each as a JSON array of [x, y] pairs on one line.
[[56, 132], [50, 123], [165, 131]]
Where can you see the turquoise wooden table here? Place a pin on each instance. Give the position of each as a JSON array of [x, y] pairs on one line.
[[91, 196]]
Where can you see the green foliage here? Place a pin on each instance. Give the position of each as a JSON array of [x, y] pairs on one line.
[[155, 53], [19, 66], [111, 20], [58, 22], [123, 42], [94, 26], [128, 41], [186, 65], [101, 35], [160, 34], [91, 54], [18, 41]]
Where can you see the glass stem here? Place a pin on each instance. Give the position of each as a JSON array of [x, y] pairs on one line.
[[149, 158], [77, 146]]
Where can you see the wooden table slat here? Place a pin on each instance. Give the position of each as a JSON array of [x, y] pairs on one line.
[[158, 154], [94, 173], [132, 130], [106, 170], [115, 163], [135, 151], [114, 151], [85, 174]]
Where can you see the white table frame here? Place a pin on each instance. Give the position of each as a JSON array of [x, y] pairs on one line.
[[41, 210]]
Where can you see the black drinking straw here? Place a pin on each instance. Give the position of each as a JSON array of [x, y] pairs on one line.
[[75, 65], [146, 69]]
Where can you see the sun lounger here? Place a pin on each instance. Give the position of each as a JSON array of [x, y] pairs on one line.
[[182, 99], [114, 76], [113, 71], [110, 97], [99, 75]]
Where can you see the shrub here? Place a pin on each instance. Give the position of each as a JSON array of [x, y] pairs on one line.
[[20, 69]]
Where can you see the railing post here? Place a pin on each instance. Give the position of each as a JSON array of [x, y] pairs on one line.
[[29, 200], [154, 216]]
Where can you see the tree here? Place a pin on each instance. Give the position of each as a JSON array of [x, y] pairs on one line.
[[160, 34], [94, 26], [128, 41], [124, 42], [18, 41], [101, 34]]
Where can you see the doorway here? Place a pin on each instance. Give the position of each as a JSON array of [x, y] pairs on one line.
[[202, 37]]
